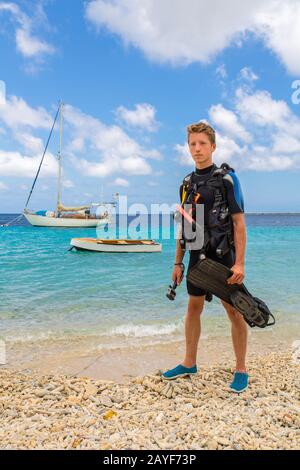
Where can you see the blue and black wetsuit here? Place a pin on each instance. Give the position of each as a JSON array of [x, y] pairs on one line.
[[235, 204]]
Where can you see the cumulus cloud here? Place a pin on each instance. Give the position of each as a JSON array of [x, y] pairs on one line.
[[114, 150], [21, 120], [143, 116], [227, 121], [247, 74], [68, 184], [29, 142], [111, 150], [183, 154], [278, 25], [259, 133], [16, 164], [15, 113], [29, 45], [260, 108], [121, 182], [221, 71], [195, 31]]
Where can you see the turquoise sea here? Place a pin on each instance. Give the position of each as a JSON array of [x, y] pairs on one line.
[[48, 292]]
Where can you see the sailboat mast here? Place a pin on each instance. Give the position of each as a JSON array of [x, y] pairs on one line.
[[60, 158]]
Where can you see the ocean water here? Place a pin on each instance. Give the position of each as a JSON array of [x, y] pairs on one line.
[[48, 292]]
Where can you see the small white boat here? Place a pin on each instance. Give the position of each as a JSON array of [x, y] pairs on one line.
[[116, 246]]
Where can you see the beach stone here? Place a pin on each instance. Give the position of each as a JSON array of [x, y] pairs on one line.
[[212, 445], [90, 390], [105, 400], [40, 393]]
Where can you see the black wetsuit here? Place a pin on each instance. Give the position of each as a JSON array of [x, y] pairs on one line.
[[235, 205]]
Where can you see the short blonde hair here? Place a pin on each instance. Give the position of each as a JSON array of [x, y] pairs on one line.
[[202, 127]]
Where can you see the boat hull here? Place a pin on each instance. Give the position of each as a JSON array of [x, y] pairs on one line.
[[44, 221], [118, 246]]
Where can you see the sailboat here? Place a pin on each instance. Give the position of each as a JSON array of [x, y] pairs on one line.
[[84, 216]]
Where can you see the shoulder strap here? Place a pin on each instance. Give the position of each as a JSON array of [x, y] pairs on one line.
[[187, 179], [223, 169], [186, 186]]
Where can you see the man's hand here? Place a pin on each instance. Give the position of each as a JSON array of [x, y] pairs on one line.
[[238, 274], [177, 275]]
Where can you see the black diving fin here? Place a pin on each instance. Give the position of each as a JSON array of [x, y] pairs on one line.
[[212, 276]]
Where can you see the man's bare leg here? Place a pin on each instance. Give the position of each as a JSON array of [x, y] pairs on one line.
[[239, 333], [192, 329]]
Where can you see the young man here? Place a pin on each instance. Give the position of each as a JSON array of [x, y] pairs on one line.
[[202, 144]]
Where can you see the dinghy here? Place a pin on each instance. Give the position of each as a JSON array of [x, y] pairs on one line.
[[116, 246]]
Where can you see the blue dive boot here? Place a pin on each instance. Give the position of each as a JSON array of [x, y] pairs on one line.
[[240, 382], [179, 371]]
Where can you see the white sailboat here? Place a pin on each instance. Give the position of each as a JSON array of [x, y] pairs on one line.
[[84, 216]]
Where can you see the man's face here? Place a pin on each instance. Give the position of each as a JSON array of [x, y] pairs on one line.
[[201, 148]]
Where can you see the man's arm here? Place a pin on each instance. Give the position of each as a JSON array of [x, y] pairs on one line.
[[179, 255], [240, 238]]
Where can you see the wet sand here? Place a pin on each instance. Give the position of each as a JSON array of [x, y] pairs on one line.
[[96, 359]]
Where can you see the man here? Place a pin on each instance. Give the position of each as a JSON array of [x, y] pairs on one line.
[[202, 144]]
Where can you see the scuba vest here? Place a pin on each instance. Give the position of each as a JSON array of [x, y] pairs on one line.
[[218, 231]]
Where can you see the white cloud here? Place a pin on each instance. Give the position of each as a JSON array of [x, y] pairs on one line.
[[227, 121], [68, 184], [143, 116], [21, 119], [121, 182], [111, 150], [2, 93], [15, 164], [270, 163], [271, 129], [260, 109], [247, 74], [278, 25], [228, 150], [183, 154], [115, 151], [29, 142], [29, 45], [221, 71], [284, 143], [15, 113], [3, 186], [195, 30]]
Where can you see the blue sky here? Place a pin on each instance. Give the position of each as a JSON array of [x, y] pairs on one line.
[[133, 74]]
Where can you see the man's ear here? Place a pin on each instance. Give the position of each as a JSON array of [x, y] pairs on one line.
[[214, 146]]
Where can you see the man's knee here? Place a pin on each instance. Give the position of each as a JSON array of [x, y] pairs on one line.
[[195, 306], [233, 315]]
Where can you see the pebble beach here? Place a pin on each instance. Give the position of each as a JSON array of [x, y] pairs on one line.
[[196, 413]]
